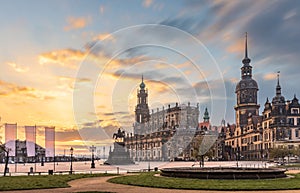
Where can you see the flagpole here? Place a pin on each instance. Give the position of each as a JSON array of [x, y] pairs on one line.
[[35, 149], [16, 150], [54, 149]]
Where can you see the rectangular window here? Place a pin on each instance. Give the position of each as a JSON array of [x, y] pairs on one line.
[[297, 132], [291, 121], [295, 111], [298, 121]]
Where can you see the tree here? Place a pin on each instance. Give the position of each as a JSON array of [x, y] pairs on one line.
[[281, 152], [6, 151]]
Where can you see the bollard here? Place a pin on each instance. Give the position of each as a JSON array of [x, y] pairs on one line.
[[117, 170]]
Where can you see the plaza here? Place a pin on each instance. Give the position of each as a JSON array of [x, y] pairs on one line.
[[85, 167]]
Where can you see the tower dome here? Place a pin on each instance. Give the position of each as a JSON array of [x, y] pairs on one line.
[[142, 85]]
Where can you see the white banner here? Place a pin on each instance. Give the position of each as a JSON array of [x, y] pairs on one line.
[[30, 140], [50, 141], [10, 138]]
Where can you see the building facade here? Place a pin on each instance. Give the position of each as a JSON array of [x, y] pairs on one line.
[[164, 134], [254, 135]]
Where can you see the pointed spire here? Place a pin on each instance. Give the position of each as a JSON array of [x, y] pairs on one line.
[[278, 88], [142, 85], [267, 100], [246, 47], [246, 60], [278, 73]]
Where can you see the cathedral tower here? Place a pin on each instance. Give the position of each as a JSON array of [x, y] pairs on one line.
[[246, 92], [141, 110]]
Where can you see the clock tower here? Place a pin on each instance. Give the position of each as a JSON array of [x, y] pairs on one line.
[[246, 93]]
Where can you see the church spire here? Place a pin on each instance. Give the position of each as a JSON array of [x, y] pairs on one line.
[[246, 47], [267, 101], [278, 88], [246, 60]]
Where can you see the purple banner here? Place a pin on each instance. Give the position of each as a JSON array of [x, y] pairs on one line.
[[50, 141], [30, 140], [10, 138]]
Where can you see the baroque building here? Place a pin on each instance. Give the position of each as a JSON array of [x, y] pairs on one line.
[[253, 135], [164, 134]]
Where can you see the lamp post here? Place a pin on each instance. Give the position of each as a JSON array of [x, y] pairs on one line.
[[93, 160], [71, 167]]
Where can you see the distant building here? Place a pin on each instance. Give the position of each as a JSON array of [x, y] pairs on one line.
[[21, 153], [253, 135]]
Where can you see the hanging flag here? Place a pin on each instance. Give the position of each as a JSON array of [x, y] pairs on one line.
[[30, 140], [50, 141], [10, 138]]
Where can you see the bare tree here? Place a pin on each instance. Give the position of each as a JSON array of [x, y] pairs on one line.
[[6, 151]]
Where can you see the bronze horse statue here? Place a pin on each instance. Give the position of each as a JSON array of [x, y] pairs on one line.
[[119, 135]]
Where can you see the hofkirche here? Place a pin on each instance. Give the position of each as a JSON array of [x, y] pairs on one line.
[[166, 133]]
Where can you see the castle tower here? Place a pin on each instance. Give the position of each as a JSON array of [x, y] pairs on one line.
[[246, 92], [141, 110]]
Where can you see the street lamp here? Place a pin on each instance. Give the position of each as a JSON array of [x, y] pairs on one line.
[[93, 160], [71, 167]]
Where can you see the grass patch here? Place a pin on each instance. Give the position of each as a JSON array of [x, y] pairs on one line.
[[41, 182], [149, 180]]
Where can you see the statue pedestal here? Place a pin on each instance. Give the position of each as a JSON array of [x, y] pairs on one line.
[[119, 156]]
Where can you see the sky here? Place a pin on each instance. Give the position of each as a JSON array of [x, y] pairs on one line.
[[77, 65]]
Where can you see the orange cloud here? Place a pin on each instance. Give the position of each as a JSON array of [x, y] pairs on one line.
[[9, 89], [18, 68], [62, 57], [103, 36], [239, 46], [270, 76], [77, 23]]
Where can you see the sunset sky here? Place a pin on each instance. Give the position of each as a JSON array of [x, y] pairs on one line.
[[76, 65]]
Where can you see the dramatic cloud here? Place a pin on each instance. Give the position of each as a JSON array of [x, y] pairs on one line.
[[63, 57], [77, 23], [11, 89]]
